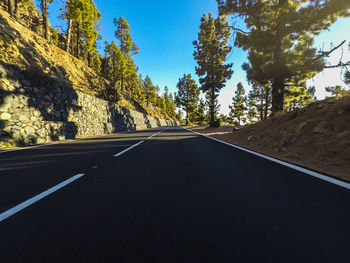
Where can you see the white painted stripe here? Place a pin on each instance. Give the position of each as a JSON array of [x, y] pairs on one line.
[[292, 166], [37, 146], [63, 142], [36, 198], [156, 134], [128, 149], [29, 147]]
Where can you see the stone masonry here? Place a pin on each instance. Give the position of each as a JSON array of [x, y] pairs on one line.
[[31, 115]]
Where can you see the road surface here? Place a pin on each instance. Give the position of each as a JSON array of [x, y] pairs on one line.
[[175, 197]]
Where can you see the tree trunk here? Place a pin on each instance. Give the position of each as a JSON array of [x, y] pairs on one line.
[[44, 14], [68, 35], [187, 110], [187, 117], [277, 95], [9, 6], [78, 40], [16, 9], [262, 105], [89, 59], [267, 95], [212, 108]]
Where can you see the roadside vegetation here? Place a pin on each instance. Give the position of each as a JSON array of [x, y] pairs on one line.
[[278, 115], [279, 37], [125, 85]]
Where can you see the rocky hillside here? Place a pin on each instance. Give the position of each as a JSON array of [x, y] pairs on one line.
[[26, 56], [48, 95], [317, 136]]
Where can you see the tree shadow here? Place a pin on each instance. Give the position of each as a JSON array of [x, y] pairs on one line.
[[158, 122], [37, 93], [147, 121], [121, 118]]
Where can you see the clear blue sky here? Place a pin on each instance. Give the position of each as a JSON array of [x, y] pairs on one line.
[[164, 32]]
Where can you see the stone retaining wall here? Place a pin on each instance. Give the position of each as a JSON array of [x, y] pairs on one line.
[[30, 115]]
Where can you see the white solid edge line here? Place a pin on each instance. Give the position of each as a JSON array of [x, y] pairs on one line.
[[292, 166], [63, 142], [128, 149], [36, 198], [29, 147]]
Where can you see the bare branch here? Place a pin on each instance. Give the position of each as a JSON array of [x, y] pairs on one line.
[[327, 53], [239, 30], [339, 65]]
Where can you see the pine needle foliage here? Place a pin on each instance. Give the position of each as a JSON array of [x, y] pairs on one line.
[[211, 50], [280, 39]]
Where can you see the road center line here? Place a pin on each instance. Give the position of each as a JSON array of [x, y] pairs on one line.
[[128, 149], [36, 198], [155, 134]]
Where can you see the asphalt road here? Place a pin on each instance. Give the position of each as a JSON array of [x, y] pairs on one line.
[[176, 197]]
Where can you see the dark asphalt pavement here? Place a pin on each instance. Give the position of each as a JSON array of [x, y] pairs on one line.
[[177, 197]]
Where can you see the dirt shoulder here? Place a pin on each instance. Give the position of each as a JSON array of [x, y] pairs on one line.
[[317, 137]]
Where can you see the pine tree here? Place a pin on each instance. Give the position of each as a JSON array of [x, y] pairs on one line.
[[223, 119], [166, 99], [128, 49], [12, 6], [150, 91], [258, 103], [162, 105], [281, 38], [140, 89], [211, 50], [201, 115], [254, 105], [130, 77], [298, 97], [83, 16], [158, 102], [337, 91], [45, 14], [187, 95], [54, 35], [178, 115], [213, 109], [74, 10], [347, 78], [96, 62], [89, 28], [238, 106], [28, 5], [116, 64], [172, 106], [123, 35]]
